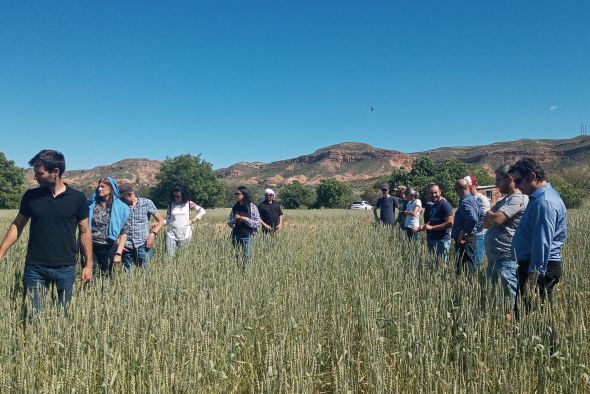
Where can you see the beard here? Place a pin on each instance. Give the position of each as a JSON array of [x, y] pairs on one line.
[[47, 183]]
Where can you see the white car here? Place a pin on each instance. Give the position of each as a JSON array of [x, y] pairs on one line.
[[360, 205]]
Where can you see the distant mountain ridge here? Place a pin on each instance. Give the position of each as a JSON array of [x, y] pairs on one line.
[[350, 162]]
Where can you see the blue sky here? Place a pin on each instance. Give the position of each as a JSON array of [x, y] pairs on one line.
[[270, 80]]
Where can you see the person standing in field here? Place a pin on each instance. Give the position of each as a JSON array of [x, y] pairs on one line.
[[412, 214], [438, 221], [56, 211], [401, 205], [464, 228], [179, 230], [386, 205], [107, 217], [244, 220], [484, 206], [503, 220], [138, 247], [540, 235], [271, 214]]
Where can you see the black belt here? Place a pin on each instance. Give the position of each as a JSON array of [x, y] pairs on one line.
[[548, 262]]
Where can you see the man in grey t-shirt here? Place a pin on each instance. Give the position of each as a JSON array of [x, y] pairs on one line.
[[503, 219]]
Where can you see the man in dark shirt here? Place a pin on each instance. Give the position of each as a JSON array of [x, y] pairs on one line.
[[271, 214], [55, 210], [438, 220], [386, 205], [465, 228]]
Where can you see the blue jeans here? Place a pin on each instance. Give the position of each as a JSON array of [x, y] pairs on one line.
[[244, 247], [480, 250], [172, 245], [102, 256], [414, 236], [440, 247], [505, 270], [139, 257], [37, 278]]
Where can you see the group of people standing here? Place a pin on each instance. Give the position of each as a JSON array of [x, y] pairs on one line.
[[112, 227], [521, 235]]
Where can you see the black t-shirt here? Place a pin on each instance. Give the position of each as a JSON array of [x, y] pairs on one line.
[[387, 207], [270, 213], [435, 214], [52, 239]]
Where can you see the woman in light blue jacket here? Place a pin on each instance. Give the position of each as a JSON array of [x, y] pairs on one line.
[[108, 224]]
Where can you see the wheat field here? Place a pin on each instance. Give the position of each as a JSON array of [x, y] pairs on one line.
[[331, 304]]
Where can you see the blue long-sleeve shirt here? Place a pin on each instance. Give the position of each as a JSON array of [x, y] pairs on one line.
[[466, 217], [542, 230]]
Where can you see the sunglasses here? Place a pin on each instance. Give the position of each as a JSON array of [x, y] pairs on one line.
[[237, 194]]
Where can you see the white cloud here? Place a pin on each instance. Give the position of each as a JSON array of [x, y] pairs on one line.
[[553, 108]]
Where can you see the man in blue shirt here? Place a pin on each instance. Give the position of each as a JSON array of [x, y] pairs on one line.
[[465, 227], [386, 205], [541, 233]]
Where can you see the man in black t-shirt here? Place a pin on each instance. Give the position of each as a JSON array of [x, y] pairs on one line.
[[386, 205], [271, 214], [438, 220], [56, 211]]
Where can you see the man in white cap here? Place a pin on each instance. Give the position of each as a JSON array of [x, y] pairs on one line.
[[271, 214]]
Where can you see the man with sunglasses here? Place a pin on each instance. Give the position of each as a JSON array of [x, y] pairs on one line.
[[541, 233]]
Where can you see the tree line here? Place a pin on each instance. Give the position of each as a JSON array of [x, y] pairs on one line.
[[208, 191]]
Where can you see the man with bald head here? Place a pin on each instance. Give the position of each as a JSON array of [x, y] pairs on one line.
[[465, 228]]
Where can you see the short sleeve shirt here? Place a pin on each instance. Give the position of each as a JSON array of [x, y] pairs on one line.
[[138, 222], [484, 206], [54, 221], [499, 237], [435, 215], [386, 207], [270, 213], [412, 221]]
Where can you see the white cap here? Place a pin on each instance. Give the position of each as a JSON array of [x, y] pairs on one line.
[[269, 191]]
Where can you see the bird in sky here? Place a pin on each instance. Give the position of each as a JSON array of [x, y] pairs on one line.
[[372, 108]]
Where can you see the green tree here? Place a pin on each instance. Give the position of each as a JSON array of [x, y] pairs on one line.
[[195, 173], [572, 195], [445, 173], [12, 183], [296, 196], [332, 193]]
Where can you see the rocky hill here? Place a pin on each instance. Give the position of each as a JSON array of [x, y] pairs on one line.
[[351, 162], [141, 172], [556, 155]]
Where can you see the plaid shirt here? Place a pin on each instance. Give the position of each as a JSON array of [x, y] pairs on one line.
[[253, 222], [139, 222]]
